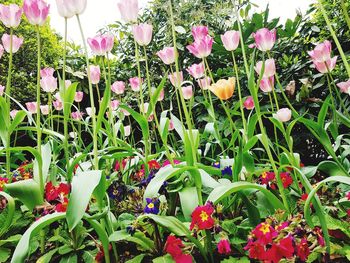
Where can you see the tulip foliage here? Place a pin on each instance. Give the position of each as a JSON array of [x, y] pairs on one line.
[[124, 169]]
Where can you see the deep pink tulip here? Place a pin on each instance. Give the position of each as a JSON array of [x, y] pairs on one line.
[[2, 89], [327, 66], [249, 103], [283, 115], [267, 84], [196, 70], [16, 43], [127, 130], [167, 55], [204, 83], [46, 72], [2, 50], [322, 52], [199, 32], [13, 113], [129, 10], [45, 110], [270, 68], [101, 44], [135, 83], [265, 39], [77, 115], [95, 74], [176, 79], [69, 8], [114, 104], [36, 11], [31, 107], [344, 87], [230, 40], [142, 34], [48, 84], [187, 92], [10, 15], [79, 95], [201, 48], [118, 87]]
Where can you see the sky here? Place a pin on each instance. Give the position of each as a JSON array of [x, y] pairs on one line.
[[100, 13]]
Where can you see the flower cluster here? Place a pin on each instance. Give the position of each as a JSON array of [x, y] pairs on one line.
[[57, 195], [269, 179], [3, 181], [174, 247], [202, 217]]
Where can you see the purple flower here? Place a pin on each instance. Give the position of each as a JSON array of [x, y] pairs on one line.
[[152, 206], [227, 171]]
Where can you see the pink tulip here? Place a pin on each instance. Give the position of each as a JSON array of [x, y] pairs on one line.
[[58, 105], [161, 95], [10, 15], [69, 8], [142, 34], [118, 87], [95, 74], [125, 112], [46, 72], [31, 107], [2, 50], [171, 125], [267, 84], [327, 66], [16, 42], [79, 95], [115, 104], [187, 92], [270, 68], [127, 130], [230, 40], [36, 11], [2, 89], [196, 70], [283, 115], [204, 83], [322, 52], [101, 44], [199, 32], [77, 115], [344, 87], [129, 10], [201, 48], [67, 83], [176, 79], [48, 84], [45, 110], [167, 55], [135, 83], [13, 113], [90, 111], [249, 103], [265, 39]]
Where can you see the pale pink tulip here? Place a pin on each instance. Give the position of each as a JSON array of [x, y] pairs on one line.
[[13, 113], [46, 72], [201, 48], [16, 43], [249, 103], [95, 74], [10, 15], [267, 84], [69, 8], [199, 32], [142, 34], [204, 83], [127, 130], [36, 11], [45, 110], [77, 115], [79, 95], [171, 125], [161, 95], [67, 83], [90, 111], [167, 55], [135, 83], [114, 104], [58, 105], [283, 115], [265, 39], [196, 70], [2, 89], [48, 84], [187, 92], [270, 68], [322, 52], [31, 107], [327, 66], [176, 79], [129, 10], [101, 44], [344, 87], [2, 50], [118, 87], [125, 112], [230, 40]]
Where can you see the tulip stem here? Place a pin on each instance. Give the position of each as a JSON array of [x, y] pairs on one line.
[[345, 13]]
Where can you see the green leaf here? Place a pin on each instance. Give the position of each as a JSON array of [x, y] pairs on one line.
[[46, 162], [72, 258], [189, 201], [11, 239], [10, 213], [164, 259], [5, 253], [17, 120], [137, 259], [138, 238]]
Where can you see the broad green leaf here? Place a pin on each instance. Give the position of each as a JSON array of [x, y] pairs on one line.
[[138, 238], [137, 259], [46, 258], [46, 162], [189, 201], [5, 254], [164, 259]]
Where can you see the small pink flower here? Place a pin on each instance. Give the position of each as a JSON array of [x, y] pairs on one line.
[[10, 15], [79, 95], [196, 70], [176, 79], [322, 52], [2, 50], [270, 68], [2, 89], [67, 83], [45, 110], [31, 107], [135, 83], [167, 55], [327, 66], [204, 83], [101, 44], [265, 39], [95, 74], [187, 92], [114, 104], [142, 34], [127, 130], [267, 84], [13, 113], [69, 8], [199, 32], [36, 11], [58, 105], [16, 42], [249, 103], [77, 115], [125, 112], [283, 115], [129, 10], [201, 48], [161, 94], [46, 72], [118, 87], [344, 87], [224, 247], [90, 111], [48, 84], [171, 125], [230, 40]]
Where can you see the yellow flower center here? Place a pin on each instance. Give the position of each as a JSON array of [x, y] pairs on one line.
[[264, 175], [204, 216], [2, 183], [150, 205], [265, 228]]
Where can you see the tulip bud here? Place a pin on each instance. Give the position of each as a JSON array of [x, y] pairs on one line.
[[13, 113], [1, 51], [230, 40], [196, 70], [142, 34], [10, 15], [344, 87], [265, 39], [44, 109], [187, 92], [118, 87], [48, 84], [16, 42], [36, 11], [2, 89], [201, 48], [79, 95], [283, 115], [204, 83], [95, 74], [249, 103], [129, 10], [267, 84], [31, 107], [101, 44], [167, 55], [199, 32], [135, 83], [127, 130], [270, 68], [69, 8], [176, 79]]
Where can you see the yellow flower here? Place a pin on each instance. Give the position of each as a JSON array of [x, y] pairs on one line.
[[224, 88]]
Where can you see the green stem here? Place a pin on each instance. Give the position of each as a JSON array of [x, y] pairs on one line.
[[345, 13]]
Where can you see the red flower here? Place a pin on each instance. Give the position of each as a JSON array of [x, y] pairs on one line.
[[63, 189], [62, 207], [282, 226], [287, 180], [320, 238], [153, 164], [201, 217], [117, 165], [284, 249], [302, 250], [348, 195], [184, 258], [256, 250], [167, 162], [3, 181], [304, 196], [224, 247], [50, 192], [264, 233], [174, 246], [266, 177]]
